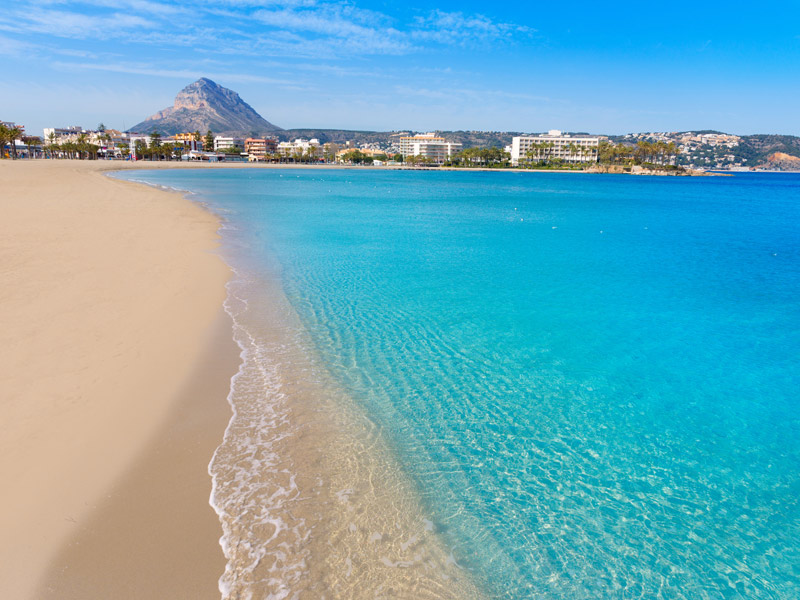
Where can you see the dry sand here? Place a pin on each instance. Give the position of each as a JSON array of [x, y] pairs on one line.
[[115, 360]]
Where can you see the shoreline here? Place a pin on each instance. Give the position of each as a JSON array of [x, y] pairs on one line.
[[123, 165], [116, 364], [310, 497]]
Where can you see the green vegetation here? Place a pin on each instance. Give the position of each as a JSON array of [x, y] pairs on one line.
[[31, 140], [356, 157], [491, 157], [231, 151], [422, 161], [542, 155], [9, 135], [653, 154], [754, 149]]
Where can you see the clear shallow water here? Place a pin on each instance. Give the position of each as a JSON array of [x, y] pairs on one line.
[[591, 380]]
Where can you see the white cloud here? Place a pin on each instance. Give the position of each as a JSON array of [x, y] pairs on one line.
[[458, 28], [62, 23], [188, 74]]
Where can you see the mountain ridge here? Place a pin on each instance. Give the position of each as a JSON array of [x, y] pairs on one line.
[[205, 105]]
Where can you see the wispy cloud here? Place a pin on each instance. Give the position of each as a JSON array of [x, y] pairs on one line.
[[310, 28], [188, 74], [337, 28], [458, 28], [14, 47], [71, 24], [451, 94]]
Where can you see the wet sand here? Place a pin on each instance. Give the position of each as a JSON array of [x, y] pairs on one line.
[[115, 361]]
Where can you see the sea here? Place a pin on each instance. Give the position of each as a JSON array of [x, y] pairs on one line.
[[508, 385]]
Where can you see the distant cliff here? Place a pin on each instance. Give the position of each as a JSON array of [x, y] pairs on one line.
[[781, 161], [205, 105], [765, 150]]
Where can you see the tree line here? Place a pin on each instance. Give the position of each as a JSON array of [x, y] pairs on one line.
[[643, 153], [480, 157], [10, 135], [547, 153]]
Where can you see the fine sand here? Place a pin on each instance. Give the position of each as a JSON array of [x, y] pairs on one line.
[[115, 361]]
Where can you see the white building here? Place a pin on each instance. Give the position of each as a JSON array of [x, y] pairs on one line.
[[300, 147], [228, 143], [428, 145], [554, 145], [60, 132]]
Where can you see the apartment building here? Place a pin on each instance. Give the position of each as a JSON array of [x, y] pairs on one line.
[[300, 147], [222, 144], [554, 145], [58, 133], [260, 148], [428, 145]]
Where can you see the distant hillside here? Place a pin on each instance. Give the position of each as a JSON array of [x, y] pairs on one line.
[[481, 139], [758, 148], [469, 139], [760, 151], [204, 105], [338, 136], [781, 161]]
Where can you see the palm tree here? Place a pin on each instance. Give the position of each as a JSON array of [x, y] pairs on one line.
[[82, 145], [52, 139], [105, 137], [31, 140], [4, 133], [14, 133], [139, 149], [573, 150]]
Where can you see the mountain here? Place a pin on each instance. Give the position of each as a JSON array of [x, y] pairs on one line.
[[205, 105], [758, 148], [782, 162]]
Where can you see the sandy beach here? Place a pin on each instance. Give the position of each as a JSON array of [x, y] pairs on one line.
[[116, 362]]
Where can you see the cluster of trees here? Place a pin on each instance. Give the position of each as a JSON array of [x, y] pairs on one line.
[[80, 148], [9, 135], [480, 157], [156, 149], [643, 153], [543, 154], [420, 160], [357, 157]]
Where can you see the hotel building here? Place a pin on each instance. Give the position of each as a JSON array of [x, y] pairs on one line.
[[428, 145], [60, 132], [186, 137], [259, 148], [228, 143], [300, 147], [554, 145]]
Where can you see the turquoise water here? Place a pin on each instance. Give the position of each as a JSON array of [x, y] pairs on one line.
[[592, 380]]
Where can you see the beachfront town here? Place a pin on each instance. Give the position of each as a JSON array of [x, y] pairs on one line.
[[403, 147], [553, 149]]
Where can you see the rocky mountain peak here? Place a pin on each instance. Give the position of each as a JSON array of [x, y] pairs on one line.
[[205, 105]]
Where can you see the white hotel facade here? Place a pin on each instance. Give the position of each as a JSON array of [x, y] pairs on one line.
[[428, 145], [554, 145]]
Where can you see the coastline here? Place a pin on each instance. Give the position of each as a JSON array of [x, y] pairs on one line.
[[116, 362], [311, 499]]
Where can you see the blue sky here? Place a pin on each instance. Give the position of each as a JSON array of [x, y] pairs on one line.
[[579, 66]]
